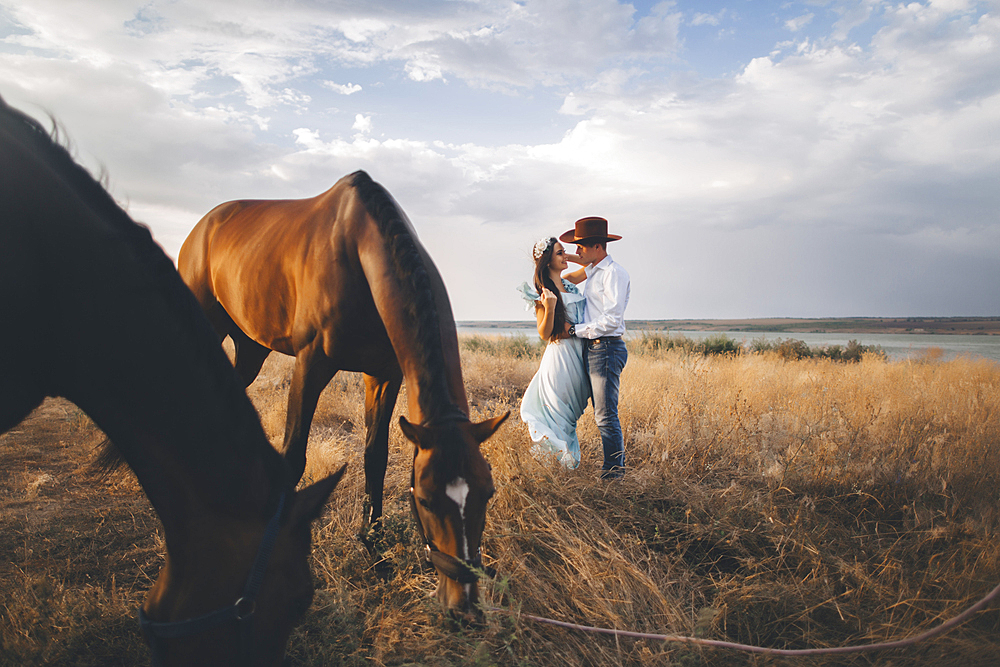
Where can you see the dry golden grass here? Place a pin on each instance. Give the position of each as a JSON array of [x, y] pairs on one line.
[[789, 504]]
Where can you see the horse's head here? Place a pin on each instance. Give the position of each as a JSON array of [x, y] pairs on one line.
[[452, 483], [232, 590]]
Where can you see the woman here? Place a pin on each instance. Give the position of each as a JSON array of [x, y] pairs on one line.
[[557, 395]]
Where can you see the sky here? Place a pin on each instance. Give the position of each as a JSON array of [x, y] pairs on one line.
[[819, 158]]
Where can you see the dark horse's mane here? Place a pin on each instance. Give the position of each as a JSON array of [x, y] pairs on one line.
[[165, 279], [419, 299]]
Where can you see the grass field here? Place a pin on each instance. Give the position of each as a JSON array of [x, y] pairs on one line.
[[790, 504]]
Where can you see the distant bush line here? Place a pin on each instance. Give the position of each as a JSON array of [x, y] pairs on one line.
[[518, 346], [788, 348], [521, 346]]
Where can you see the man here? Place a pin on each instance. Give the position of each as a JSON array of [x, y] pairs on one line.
[[607, 293]]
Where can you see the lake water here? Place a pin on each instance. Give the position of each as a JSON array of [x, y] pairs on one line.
[[896, 346]]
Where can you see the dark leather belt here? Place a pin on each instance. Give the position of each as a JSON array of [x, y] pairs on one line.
[[592, 341]]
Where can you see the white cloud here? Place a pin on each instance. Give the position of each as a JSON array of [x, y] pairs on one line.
[[547, 42], [424, 68], [343, 89], [798, 23], [950, 5], [362, 124], [852, 15], [708, 19], [572, 107], [307, 138]]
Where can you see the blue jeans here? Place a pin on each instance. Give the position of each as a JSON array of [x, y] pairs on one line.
[[604, 359]]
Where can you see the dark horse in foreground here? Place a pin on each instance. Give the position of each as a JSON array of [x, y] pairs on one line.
[[340, 282], [94, 311]]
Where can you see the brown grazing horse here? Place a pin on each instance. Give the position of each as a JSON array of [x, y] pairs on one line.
[[94, 311], [340, 282]]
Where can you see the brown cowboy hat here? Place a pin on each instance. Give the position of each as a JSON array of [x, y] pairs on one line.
[[592, 229]]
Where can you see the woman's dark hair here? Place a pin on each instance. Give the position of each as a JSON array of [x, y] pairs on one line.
[[543, 279]]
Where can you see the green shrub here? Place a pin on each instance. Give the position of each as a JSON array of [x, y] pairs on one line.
[[657, 343], [720, 344], [855, 351], [791, 349]]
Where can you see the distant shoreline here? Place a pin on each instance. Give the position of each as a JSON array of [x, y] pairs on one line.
[[981, 326]]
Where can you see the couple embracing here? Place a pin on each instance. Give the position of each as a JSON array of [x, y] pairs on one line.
[[585, 354]]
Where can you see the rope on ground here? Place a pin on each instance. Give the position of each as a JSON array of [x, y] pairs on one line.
[[934, 632]]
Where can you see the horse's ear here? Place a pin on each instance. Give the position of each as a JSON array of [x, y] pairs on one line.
[[485, 429], [309, 501], [415, 433]]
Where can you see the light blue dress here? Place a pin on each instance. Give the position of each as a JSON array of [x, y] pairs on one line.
[[557, 395]]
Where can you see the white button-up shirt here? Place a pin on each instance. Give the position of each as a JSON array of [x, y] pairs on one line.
[[607, 291]]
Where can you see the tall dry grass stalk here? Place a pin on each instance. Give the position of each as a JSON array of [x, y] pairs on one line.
[[785, 503]]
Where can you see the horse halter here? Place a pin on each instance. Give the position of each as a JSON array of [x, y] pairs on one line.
[[467, 571], [241, 611]]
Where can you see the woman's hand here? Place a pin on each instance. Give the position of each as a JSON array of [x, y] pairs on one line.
[[574, 258], [545, 311]]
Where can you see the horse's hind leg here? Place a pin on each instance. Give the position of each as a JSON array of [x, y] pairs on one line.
[[380, 400], [250, 356], [313, 371]]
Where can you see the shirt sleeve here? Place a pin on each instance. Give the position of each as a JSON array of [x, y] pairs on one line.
[[611, 320]]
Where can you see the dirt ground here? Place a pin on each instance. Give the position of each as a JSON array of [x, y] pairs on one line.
[[72, 540]]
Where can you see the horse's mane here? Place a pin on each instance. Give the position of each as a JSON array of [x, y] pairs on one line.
[[419, 298], [97, 198], [205, 346]]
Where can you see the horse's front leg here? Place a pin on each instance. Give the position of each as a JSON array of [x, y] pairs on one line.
[[380, 400], [313, 371]]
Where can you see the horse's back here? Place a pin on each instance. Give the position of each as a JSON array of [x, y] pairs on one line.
[[275, 266]]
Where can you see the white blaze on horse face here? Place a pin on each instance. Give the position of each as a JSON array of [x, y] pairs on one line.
[[459, 491]]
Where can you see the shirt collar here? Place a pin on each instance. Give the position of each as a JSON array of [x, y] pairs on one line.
[[603, 264]]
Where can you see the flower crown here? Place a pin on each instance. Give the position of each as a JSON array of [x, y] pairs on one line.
[[542, 246]]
